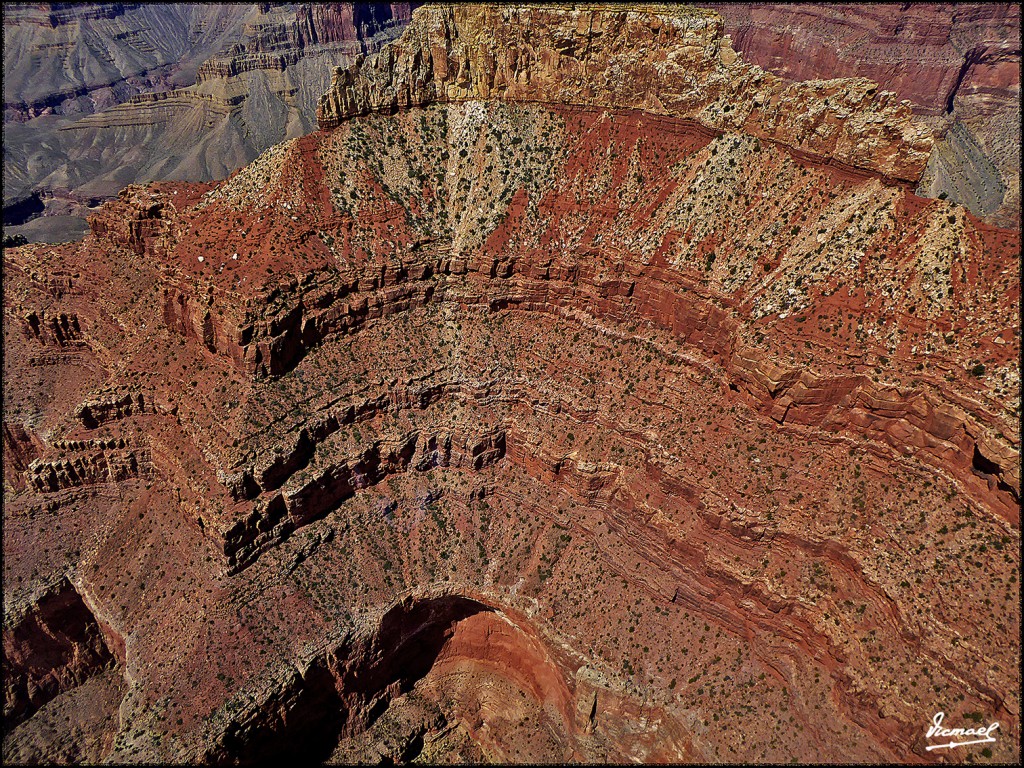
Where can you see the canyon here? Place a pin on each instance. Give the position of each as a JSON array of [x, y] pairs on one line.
[[577, 392], [958, 65], [100, 95]]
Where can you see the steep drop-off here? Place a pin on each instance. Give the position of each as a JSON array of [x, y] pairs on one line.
[[193, 92], [957, 63], [98, 96], [533, 412]]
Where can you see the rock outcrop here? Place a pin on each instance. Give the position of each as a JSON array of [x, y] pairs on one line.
[[672, 63], [55, 646], [940, 47], [957, 63], [95, 467], [113, 407], [21, 446], [505, 429]]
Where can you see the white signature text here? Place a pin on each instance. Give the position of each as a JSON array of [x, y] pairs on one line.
[[973, 735]]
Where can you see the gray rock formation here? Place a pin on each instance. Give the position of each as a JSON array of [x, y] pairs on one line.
[[101, 95]]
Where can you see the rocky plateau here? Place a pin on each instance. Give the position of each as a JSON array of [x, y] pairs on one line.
[[100, 95]]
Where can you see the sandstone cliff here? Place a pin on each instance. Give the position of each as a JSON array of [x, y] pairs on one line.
[[671, 63], [520, 431], [959, 64]]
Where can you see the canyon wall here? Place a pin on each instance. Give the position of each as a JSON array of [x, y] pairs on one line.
[[958, 64], [600, 59], [54, 647], [181, 91], [242, 77], [486, 426]]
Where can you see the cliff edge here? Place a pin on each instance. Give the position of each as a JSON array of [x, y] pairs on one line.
[[676, 62]]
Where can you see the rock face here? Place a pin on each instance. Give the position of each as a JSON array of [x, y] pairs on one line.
[[54, 647], [21, 446], [245, 77], [495, 423], [672, 63], [958, 63], [97, 96], [122, 49]]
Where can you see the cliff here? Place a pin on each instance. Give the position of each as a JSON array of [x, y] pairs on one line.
[[676, 64], [523, 431], [958, 64], [120, 49], [54, 647], [180, 91]]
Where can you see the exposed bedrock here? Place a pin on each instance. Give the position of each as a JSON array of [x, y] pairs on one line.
[[307, 312], [21, 447], [924, 52], [149, 47], [143, 47], [958, 64], [959, 169], [59, 329], [489, 664], [279, 514], [100, 95], [113, 407], [343, 690], [671, 62], [102, 466], [55, 644], [139, 217], [941, 435], [269, 334], [499, 429]]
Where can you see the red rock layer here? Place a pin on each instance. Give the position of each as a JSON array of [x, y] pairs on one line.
[[522, 432], [925, 53], [54, 647], [21, 446], [341, 372], [958, 63]]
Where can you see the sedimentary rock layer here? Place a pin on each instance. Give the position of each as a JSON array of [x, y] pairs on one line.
[[939, 47], [520, 431], [674, 63], [55, 646], [957, 63], [97, 96]]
